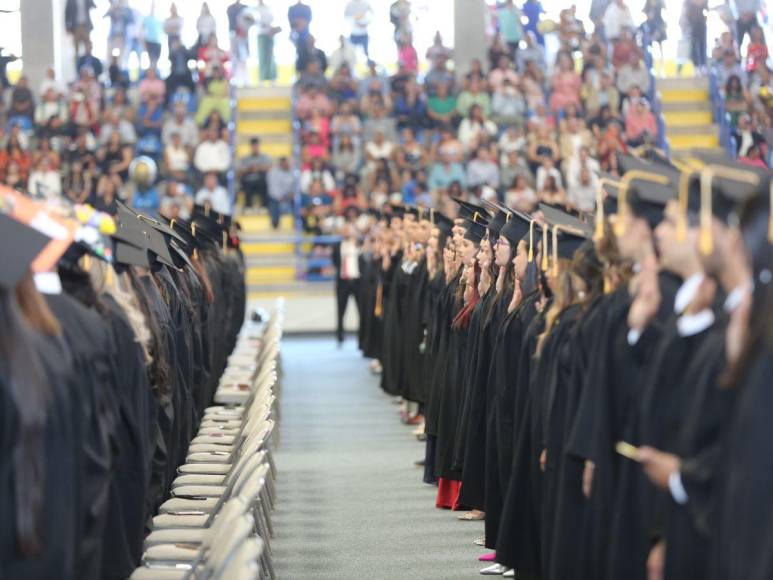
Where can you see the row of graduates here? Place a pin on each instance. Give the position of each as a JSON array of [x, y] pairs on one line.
[[597, 385], [108, 358]]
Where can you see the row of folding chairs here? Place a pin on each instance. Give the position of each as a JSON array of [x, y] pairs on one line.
[[217, 525]]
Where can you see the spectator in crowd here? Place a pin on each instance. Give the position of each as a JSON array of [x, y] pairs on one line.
[[173, 27], [475, 128], [519, 195], [728, 67], [114, 123], [532, 11], [566, 84], [596, 96], [444, 172], [313, 100], [407, 57], [472, 96], [180, 123], [747, 18], [624, 48], [121, 17], [737, 99], [746, 136], [316, 171], [180, 74], [310, 53], [344, 54], [213, 194], [410, 107], [640, 124], [252, 171], [105, 197], [532, 85], [616, 18], [87, 59], [532, 51], [175, 203], [482, 170], [78, 183], [439, 75], [442, 107], [177, 159], [51, 115], [299, 17], [152, 31], [281, 188], [757, 50], [511, 167], [215, 99], [22, 106], [359, 14], [212, 155], [410, 154], [267, 31], [152, 87], [581, 194], [346, 157], [206, 26], [694, 18], [573, 137], [509, 25], [633, 74], [547, 170], [45, 179]]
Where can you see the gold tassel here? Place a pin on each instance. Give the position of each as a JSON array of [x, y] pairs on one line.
[[379, 310], [86, 262], [531, 241], [555, 251], [607, 285], [475, 217], [544, 264], [508, 215], [171, 223], [684, 190], [225, 241], [109, 275], [706, 241], [599, 233]]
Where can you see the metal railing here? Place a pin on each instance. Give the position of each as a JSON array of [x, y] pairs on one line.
[[726, 139], [653, 95]]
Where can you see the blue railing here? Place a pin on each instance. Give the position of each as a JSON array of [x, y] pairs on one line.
[[726, 139], [300, 270], [652, 94], [232, 138]]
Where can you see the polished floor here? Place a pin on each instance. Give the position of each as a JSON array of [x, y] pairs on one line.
[[351, 503]]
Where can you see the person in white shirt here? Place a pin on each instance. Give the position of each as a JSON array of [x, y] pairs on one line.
[[206, 25], [617, 17], [344, 54], [582, 193], [214, 194], [51, 82], [359, 13], [212, 154], [346, 258], [45, 181], [182, 124], [177, 158]]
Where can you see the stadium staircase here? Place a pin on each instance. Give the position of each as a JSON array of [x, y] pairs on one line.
[[690, 123], [266, 112]]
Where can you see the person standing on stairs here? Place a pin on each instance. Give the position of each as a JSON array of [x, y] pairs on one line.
[[695, 17], [266, 33], [346, 259]]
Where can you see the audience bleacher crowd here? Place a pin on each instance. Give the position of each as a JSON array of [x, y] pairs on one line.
[[511, 128]]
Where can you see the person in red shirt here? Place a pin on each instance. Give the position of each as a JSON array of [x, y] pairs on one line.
[[757, 53]]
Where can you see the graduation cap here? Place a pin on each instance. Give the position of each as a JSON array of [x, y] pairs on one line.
[[374, 212], [206, 211], [568, 234], [442, 223], [413, 211], [496, 223], [475, 231], [19, 246], [469, 210], [645, 192], [606, 200], [723, 187], [155, 241], [516, 227], [398, 211]]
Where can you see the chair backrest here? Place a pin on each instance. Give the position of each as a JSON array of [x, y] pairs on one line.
[[223, 519], [246, 462], [243, 563], [227, 542], [254, 485]]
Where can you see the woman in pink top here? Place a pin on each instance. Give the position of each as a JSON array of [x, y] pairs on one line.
[[640, 124], [566, 84], [407, 56]]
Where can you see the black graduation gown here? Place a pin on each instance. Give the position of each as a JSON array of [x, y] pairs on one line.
[[500, 427], [745, 507], [413, 334], [449, 404], [475, 337], [395, 287], [366, 301], [91, 346], [61, 513], [374, 332], [569, 542], [482, 391], [699, 445], [518, 537]]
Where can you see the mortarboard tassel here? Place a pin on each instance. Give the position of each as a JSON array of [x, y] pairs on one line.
[[86, 262], [555, 251], [544, 264], [378, 309], [109, 275], [599, 233], [531, 241]]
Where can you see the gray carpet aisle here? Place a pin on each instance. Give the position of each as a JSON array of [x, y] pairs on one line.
[[351, 503]]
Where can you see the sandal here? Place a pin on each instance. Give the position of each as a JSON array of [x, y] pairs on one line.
[[472, 517]]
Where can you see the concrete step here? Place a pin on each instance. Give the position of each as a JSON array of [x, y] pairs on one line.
[[683, 84], [689, 142], [264, 104], [264, 126], [243, 139], [687, 118], [271, 275], [695, 106], [255, 224], [672, 130], [275, 150], [683, 96], [269, 114], [264, 91]]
